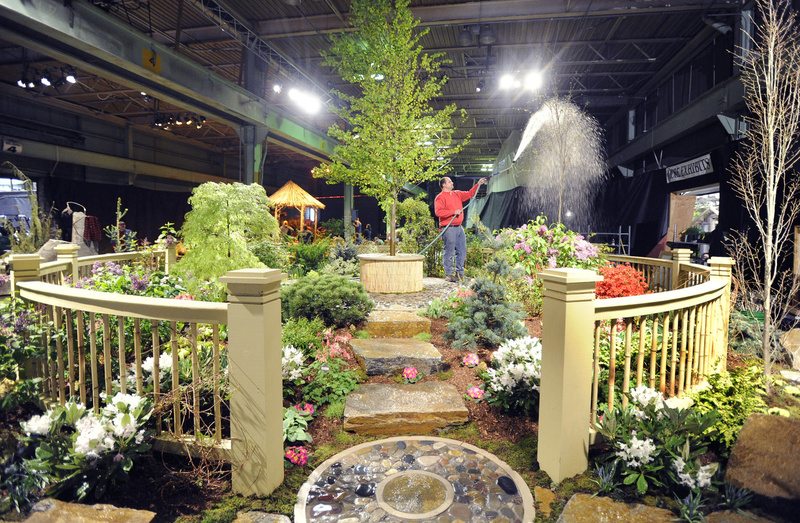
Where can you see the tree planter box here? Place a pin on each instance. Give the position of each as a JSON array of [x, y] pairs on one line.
[[391, 274]]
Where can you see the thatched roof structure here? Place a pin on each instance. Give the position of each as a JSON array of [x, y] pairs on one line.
[[292, 195]]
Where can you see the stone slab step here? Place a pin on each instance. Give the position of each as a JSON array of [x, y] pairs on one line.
[[396, 324], [393, 409], [387, 356]]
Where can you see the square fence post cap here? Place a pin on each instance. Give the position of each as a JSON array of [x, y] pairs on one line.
[[253, 277]]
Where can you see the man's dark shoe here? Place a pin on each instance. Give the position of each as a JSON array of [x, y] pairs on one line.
[[451, 278], [461, 278]]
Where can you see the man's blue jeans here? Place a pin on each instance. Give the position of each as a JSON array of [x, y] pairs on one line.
[[455, 241]]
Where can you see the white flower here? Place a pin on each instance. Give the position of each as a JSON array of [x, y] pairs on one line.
[[518, 364], [164, 366], [38, 425], [704, 475], [292, 363], [638, 453], [139, 437], [92, 438]]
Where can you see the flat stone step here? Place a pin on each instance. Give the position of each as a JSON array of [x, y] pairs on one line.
[[396, 324], [393, 409], [387, 356]]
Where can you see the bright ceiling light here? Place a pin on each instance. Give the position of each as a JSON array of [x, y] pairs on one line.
[[506, 81], [70, 77], [45, 80], [533, 81], [308, 102], [277, 88]]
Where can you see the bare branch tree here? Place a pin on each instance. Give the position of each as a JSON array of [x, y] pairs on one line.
[[763, 171]]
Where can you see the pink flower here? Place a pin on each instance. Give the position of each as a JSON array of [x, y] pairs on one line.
[[475, 393], [184, 296], [297, 455], [410, 373], [551, 263], [542, 230], [308, 408], [470, 360]]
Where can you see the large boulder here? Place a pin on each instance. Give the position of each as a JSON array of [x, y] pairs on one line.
[[583, 508], [766, 461]]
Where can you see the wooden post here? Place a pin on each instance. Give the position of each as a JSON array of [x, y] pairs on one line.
[[69, 252], [566, 370], [171, 258], [254, 355], [679, 256], [721, 268], [24, 267]]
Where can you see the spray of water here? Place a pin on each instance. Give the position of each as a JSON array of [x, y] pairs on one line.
[[561, 162]]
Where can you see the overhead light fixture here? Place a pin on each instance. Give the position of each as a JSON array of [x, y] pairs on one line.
[[465, 37], [292, 2], [487, 35], [277, 87], [23, 80], [45, 80], [307, 101], [480, 86], [70, 76], [507, 82], [533, 81]]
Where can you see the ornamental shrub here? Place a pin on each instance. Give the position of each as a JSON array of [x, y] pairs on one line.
[[304, 334], [513, 383], [619, 281], [336, 300], [486, 317], [655, 444], [309, 256]]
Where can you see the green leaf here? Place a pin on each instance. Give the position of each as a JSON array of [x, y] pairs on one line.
[[641, 485]]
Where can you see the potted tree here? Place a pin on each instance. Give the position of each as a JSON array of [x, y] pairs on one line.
[[392, 136]]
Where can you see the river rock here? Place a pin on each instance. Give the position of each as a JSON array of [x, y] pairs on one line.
[[392, 409], [386, 356], [396, 324], [765, 458], [54, 511], [261, 517], [583, 508]]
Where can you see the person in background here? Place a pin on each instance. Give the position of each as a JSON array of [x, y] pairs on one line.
[[450, 211], [367, 232], [357, 227], [126, 238], [286, 228]]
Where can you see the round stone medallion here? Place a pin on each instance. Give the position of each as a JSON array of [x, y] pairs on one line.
[[414, 494]]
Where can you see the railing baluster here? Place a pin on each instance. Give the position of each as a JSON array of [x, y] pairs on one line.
[[70, 354], [93, 363], [626, 378], [674, 356], [693, 337], [123, 366], [107, 354], [684, 345], [662, 383], [640, 356], [137, 351], [653, 352], [195, 382], [80, 327], [176, 407], [612, 363], [598, 326], [59, 356], [217, 391], [156, 372]]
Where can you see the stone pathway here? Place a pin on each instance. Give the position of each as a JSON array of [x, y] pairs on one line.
[[414, 478]]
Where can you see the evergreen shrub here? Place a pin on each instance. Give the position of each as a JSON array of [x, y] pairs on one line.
[[486, 318], [336, 300], [303, 333]]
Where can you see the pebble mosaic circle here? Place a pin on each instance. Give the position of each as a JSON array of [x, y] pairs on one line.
[[414, 478]]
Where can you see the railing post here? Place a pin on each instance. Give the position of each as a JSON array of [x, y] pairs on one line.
[[254, 371], [24, 267], [69, 252], [721, 269], [679, 278], [566, 370], [171, 258]]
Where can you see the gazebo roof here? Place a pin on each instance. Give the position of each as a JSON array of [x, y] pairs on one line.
[[292, 195]]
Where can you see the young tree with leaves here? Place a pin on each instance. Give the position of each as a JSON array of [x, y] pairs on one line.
[[392, 137], [763, 172], [226, 221]]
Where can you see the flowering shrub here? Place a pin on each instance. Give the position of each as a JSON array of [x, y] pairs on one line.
[[451, 304], [514, 380], [656, 444], [292, 363], [535, 246], [619, 281], [134, 281], [411, 375], [23, 335], [470, 360], [78, 453], [307, 409], [332, 345], [296, 456]]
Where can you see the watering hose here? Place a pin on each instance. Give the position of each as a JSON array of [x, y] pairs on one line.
[[463, 209]]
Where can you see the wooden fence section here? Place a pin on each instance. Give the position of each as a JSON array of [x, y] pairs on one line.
[[99, 342], [596, 350]]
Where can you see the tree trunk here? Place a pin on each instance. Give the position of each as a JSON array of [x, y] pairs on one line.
[[393, 226]]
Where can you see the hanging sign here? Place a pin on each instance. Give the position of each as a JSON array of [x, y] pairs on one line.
[[11, 146], [697, 167]]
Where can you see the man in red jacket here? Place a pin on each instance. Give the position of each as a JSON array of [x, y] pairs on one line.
[[449, 210]]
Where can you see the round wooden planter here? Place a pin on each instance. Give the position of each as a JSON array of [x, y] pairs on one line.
[[391, 274]]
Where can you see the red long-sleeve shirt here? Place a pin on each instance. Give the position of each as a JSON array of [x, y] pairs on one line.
[[447, 203]]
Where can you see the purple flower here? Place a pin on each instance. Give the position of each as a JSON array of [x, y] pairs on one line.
[[524, 227], [551, 263], [527, 248], [169, 240], [542, 230], [139, 284]]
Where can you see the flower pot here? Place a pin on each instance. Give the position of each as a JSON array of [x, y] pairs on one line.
[[382, 273]]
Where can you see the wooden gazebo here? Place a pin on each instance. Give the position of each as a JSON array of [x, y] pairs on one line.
[[292, 195]]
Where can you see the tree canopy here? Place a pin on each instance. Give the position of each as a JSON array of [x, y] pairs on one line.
[[392, 136]]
